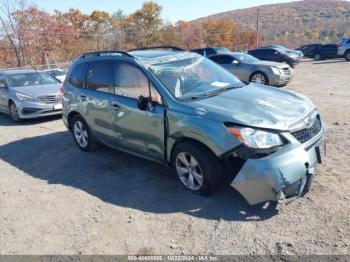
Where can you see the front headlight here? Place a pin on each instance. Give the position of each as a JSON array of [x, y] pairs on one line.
[[275, 70], [256, 138], [24, 97]]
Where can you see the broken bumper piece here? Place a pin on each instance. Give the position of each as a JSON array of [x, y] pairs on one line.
[[281, 176]]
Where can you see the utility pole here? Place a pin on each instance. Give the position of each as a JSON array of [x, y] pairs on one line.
[[257, 27]]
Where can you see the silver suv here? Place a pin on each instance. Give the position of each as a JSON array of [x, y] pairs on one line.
[[344, 48], [29, 94]]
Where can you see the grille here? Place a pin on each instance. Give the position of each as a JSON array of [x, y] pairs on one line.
[[306, 134], [286, 71], [51, 99]]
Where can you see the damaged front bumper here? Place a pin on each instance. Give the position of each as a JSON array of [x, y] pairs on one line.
[[283, 175]]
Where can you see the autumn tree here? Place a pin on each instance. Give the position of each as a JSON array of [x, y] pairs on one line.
[[11, 29], [144, 25], [219, 33]]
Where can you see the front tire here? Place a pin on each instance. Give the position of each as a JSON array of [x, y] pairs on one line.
[[14, 112], [317, 57], [82, 134], [347, 56], [259, 78], [197, 168]]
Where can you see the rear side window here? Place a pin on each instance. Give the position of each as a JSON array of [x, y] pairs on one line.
[[100, 76], [222, 60], [256, 52], [77, 75]]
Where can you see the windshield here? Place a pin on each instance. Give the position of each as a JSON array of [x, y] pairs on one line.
[[245, 58], [31, 79], [194, 77]]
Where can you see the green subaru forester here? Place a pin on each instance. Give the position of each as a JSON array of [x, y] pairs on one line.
[[183, 110]]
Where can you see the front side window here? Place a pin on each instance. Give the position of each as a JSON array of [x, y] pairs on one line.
[[194, 77], [133, 83], [99, 76], [31, 79]]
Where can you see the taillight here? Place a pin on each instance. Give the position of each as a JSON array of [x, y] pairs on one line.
[[62, 90]]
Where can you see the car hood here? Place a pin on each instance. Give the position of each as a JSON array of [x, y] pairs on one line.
[[39, 90], [269, 64], [256, 106]]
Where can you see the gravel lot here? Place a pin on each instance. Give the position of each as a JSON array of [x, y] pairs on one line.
[[55, 199]]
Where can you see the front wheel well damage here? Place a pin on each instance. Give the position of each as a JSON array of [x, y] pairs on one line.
[[230, 164], [189, 140]]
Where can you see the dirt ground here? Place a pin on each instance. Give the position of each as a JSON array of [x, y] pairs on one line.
[[55, 199]]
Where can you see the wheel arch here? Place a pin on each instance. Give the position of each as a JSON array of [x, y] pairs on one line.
[[70, 117], [183, 139]]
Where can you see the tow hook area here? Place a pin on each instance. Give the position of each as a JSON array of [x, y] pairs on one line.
[[297, 189]]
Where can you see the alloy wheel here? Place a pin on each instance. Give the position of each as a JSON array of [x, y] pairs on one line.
[[258, 79], [14, 112], [81, 134], [189, 171]]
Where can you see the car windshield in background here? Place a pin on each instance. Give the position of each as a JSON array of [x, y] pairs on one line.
[[194, 77], [31, 79], [245, 58], [58, 72], [221, 50]]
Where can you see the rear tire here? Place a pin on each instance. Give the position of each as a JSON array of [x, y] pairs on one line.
[[197, 168], [82, 135], [259, 78], [14, 112], [347, 56]]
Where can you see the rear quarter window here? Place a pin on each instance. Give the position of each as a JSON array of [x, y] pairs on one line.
[[77, 75]]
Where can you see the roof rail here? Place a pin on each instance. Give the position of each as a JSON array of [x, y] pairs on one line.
[[173, 48], [105, 52]]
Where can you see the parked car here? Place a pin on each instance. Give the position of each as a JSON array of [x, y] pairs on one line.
[[276, 55], [211, 51], [183, 110], [309, 50], [29, 94], [344, 49], [326, 51], [57, 73], [250, 69], [288, 50]]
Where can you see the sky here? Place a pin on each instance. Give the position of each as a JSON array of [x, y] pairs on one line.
[[173, 10]]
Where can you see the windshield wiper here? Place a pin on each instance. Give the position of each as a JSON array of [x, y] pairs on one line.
[[214, 92]]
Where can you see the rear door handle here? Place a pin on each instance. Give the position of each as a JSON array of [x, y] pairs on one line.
[[83, 98]]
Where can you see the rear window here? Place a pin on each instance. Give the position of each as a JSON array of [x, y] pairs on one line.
[[77, 75], [100, 76], [222, 59]]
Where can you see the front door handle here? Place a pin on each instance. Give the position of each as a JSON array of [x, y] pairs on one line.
[[116, 106], [83, 98]]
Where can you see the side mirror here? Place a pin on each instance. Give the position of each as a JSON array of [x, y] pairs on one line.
[[145, 103], [142, 103], [2, 85], [235, 62]]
